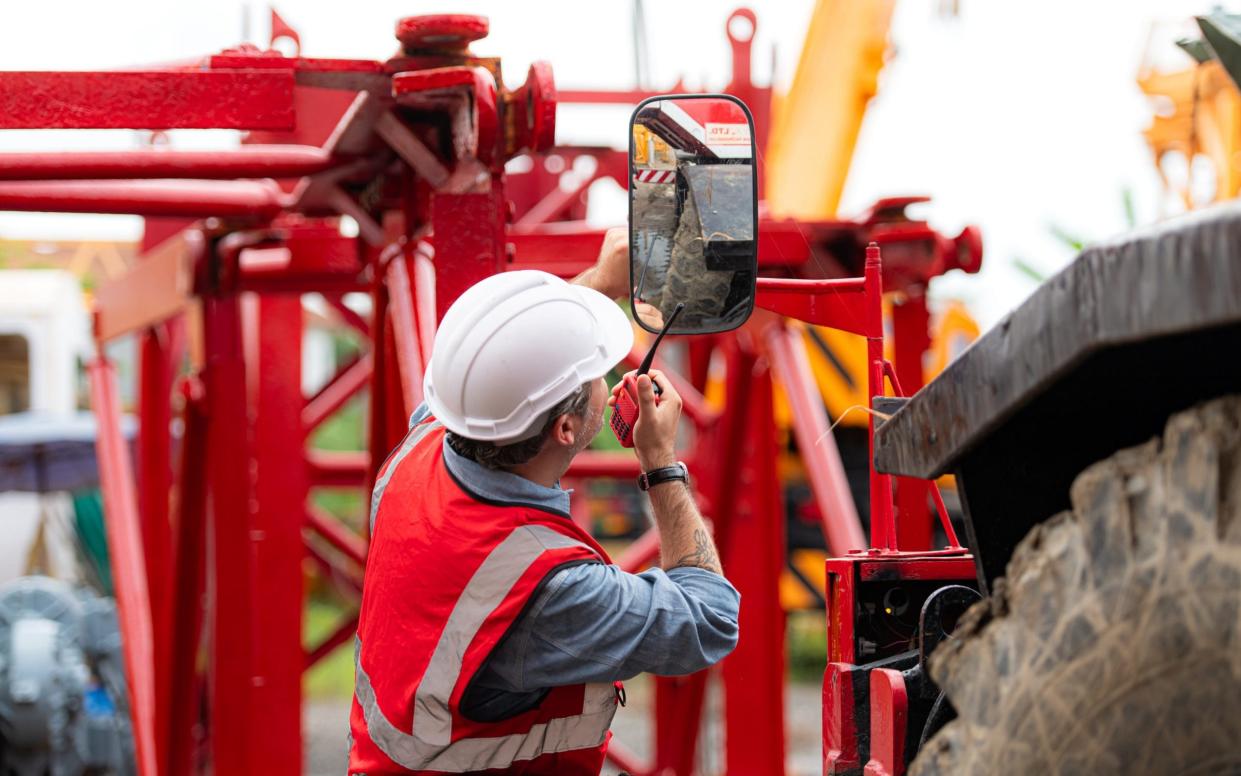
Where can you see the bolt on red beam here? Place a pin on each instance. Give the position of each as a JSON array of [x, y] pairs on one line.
[[259, 161], [235, 99], [190, 199]]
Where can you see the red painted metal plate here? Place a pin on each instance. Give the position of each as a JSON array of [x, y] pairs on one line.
[[242, 99]]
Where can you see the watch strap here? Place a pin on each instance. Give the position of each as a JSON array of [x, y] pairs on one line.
[[677, 471]]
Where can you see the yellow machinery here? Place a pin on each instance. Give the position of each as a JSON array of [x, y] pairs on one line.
[[815, 128], [1198, 113]]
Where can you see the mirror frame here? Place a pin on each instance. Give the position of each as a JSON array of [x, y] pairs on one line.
[[629, 192]]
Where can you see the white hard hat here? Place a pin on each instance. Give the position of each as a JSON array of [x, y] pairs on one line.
[[514, 345]]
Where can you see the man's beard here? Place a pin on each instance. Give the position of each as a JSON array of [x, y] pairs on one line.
[[591, 426]]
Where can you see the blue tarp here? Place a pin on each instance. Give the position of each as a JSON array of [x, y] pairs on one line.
[[42, 453]]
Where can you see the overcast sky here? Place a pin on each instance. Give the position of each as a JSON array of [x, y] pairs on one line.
[[1015, 116]]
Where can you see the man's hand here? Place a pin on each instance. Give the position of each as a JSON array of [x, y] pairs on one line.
[[610, 275], [683, 535], [654, 436]]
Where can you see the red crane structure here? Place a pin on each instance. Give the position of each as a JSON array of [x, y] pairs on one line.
[[211, 524]]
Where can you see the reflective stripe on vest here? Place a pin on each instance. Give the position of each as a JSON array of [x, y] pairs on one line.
[[415, 435], [429, 745]]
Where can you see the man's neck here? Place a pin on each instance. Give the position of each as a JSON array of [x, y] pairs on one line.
[[541, 472]]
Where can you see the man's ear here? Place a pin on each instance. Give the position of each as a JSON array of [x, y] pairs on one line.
[[565, 429]]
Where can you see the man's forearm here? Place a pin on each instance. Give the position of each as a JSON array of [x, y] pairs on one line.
[[683, 536]]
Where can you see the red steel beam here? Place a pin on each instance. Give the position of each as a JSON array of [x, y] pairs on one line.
[[274, 371], [693, 403], [157, 288], [349, 315], [405, 331], [160, 353], [678, 717], [128, 568], [235, 99], [910, 340], [338, 468], [567, 248], [343, 386], [841, 526], [334, 568], [189, 563], [254, 161], [554, 203], [330, 530], [188, 199], [750, 534], [236, 722], [592, 463], [640, 553], [840, 304], [342, 635], [625, 760]]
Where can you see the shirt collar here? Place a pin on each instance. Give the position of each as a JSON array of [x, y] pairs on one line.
[[495, 486]]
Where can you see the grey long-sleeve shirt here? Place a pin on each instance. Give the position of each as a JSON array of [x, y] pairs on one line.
[[592, 622]]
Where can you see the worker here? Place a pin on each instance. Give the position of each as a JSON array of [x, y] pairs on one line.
[[494, 632]]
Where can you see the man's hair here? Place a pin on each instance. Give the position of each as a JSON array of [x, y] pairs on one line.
[[495, 456]]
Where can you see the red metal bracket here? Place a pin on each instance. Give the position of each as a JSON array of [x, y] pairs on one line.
[[889, 713]]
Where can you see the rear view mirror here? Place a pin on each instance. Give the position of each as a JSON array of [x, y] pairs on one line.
[[693, 213]]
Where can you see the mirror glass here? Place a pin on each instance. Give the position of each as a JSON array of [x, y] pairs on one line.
[[692, 216]]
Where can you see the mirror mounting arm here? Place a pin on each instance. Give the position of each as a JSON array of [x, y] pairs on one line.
[[837, 304], [854, 305]]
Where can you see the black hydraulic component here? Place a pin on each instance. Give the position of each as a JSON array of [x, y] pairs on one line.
[[723, 195], [939, 616]]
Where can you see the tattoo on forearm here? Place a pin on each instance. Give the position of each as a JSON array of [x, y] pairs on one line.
[[703, 556]]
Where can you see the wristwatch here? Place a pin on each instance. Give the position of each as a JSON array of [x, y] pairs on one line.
[[677, 471]]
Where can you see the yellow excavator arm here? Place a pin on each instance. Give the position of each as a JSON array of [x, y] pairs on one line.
[[815, 125]]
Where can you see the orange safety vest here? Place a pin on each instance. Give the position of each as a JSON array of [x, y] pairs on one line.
[[446, 578]]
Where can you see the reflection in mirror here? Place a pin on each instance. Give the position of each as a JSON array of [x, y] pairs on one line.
[[692, 214]]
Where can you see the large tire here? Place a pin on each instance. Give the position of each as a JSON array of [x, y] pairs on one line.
[[1114, 644]]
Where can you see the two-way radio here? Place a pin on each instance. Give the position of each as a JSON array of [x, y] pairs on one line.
[[625, 413]]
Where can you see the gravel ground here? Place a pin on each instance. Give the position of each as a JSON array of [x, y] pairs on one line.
[[325, 723]]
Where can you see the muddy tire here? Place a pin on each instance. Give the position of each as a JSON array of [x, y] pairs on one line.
[[1113, 646]]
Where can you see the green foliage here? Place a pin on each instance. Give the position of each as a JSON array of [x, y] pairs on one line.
[[807, 646], [332, 677], [1029, 270], [346, 430]]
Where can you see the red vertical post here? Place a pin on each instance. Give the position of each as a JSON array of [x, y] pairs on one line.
[[911, 339], [882, 530], [750, 533], [469, 240], [125, 552], [158, 359], [236, 722], [190, 550], [377, 428], [277, 515], [678, 711]]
